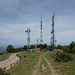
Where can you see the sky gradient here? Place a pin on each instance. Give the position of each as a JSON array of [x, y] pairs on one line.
[[18, 15]]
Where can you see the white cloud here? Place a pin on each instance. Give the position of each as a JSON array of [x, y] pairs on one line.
[[65, 29], [9, 3], [4, 31], [17, 16]]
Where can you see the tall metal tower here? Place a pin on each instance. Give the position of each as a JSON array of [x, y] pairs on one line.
[[37, 41], [52, 32], [41, 36], [28, 39]]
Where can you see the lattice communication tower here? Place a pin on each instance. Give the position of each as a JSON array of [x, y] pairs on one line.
[[52, 32], [41, 36], [28, 39]]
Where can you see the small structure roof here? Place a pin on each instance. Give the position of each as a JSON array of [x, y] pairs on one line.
[[57, 50], [37, 48]]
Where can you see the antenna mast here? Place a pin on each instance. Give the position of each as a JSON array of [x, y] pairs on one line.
[[41, 36], [52, 32], [28, 39]]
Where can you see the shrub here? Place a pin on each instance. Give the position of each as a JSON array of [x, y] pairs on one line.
[[63, 57], [1, 53], [72, 45], [10, 49], [59, 47], [73, 50], [66, 49], [3, 73]]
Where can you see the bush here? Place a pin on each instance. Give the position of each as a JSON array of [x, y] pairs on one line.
[[72, 45], [1, 53], [63, 57], [73, 50], [59, 47], [10, 49], [3, 73], [66, 49]]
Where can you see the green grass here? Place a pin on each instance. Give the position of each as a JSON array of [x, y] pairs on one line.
[[26, 65], [4, 56], [29, 60], [67, 68]]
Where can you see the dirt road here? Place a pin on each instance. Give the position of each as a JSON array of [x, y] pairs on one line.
[[36, 70], [53, 71], [7, 63]]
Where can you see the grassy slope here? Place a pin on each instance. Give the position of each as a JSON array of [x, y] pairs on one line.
[[65, 68], [26, 66], [4, 56]]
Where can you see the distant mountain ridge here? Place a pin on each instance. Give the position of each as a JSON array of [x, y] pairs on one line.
[[2, 49]]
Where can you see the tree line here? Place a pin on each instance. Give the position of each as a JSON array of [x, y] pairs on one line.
[[69, 48]]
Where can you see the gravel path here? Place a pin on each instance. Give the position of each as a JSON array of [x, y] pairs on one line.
[[11, 60]]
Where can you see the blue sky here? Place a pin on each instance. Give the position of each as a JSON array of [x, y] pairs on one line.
[[18, 15]]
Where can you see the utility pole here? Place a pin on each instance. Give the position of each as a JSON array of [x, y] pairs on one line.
[[28, 39]]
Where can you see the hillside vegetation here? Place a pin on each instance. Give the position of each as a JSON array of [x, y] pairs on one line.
[[4, 56], [66, 68], [26, 66]]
